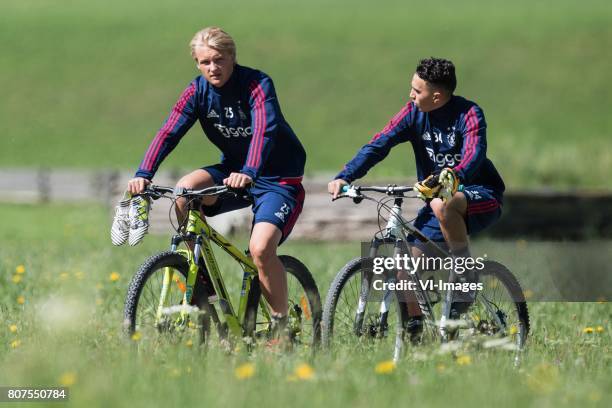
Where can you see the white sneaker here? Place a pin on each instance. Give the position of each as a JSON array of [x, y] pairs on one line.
[[121, 223], [139, 219]]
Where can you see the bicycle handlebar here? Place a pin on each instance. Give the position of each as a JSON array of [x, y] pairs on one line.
[[391, 189], [160, 191], [355, 192]]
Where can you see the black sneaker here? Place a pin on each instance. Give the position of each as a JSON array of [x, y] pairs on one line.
[[414, 329]]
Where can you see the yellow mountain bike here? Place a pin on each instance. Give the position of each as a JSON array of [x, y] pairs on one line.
[[180, 293]]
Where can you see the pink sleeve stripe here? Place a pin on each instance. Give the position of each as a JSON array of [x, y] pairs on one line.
[[469, 141], [471, 138], [256, 122], [259, 127], [163, 133], [405, 111]]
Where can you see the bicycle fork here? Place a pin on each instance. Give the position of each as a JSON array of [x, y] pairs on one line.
[[167, 282]]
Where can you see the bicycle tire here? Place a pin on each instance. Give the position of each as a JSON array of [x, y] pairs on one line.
[[310, 312], [351, 269], [150, 270], [515, 297]]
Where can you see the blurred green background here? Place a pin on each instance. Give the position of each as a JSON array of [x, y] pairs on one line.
[[87, 84]]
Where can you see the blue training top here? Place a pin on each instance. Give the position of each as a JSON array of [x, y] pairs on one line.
[[242, 118], [451, 136]]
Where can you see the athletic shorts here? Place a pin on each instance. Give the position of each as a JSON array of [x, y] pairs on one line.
[[276, 200], [484, 207]]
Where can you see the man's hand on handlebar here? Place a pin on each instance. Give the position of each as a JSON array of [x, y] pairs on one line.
[[335, 187], [238, 180], [137, 185]]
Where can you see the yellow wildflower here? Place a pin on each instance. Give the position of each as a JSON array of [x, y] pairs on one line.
[[67, 379], [464, 359], [21, 300], [15, 343], [136, 336], [595, 396], [440, 368], [16, 278], [13, 328], [587, 330], [189, 343], [385, 367], [600, 329], [244, 371], [114, 276], [543, 379], [304, 372], [513, 330], [20, 269]]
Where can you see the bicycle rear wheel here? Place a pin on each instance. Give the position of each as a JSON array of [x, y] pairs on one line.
[[304, 306], [500, 309], [352, 316], [141, 313]]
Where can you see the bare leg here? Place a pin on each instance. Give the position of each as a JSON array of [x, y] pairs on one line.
[[451, 216], [195, 180], [272, 277]]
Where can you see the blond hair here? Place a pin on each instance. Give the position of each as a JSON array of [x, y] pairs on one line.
[[213, 37]]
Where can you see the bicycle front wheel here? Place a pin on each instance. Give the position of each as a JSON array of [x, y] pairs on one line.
[[145, 316], [304, 314], [352, 316]]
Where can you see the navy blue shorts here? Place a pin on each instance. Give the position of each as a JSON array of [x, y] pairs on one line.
[[276, 200], [484, 207]]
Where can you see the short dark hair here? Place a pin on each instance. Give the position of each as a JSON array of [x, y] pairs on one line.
[[438, 71]]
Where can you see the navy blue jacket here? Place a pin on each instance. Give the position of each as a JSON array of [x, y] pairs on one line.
[[242, 118], [451, 136]]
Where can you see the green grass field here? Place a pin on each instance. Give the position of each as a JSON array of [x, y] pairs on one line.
[[88, 84], [62, 319]]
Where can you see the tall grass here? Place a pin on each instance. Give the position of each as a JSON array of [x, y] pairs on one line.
[[67, 332]]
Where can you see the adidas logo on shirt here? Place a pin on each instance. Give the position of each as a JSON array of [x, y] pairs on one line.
[[212, 114]]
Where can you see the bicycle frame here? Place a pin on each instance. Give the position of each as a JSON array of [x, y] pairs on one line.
[[203, 234], [394, 233], [397, 233]]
